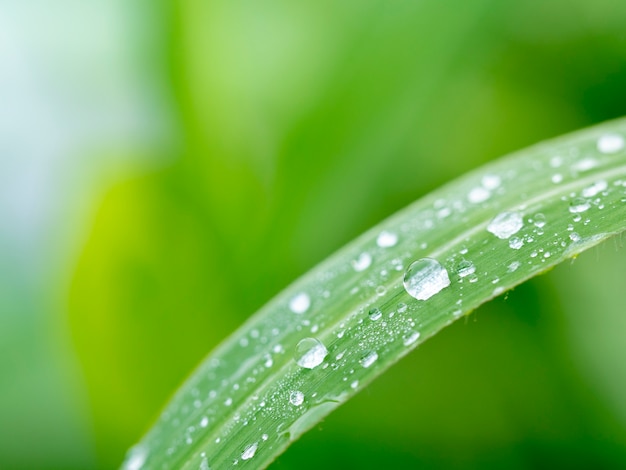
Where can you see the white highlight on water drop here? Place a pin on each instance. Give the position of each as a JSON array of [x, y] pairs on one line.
[[310, 353], [362, 262], [300, 303], [249, 451], [386, 239], [610, 143], [491, 181], [425, 278], [506, 224], [296, 398]]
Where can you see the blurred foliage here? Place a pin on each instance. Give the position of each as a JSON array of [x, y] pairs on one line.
[[297, 126]]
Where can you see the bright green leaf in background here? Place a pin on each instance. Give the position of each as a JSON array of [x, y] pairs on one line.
[[170, 171]]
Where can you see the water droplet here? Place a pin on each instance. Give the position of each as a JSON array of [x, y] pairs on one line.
[[465, 268], [204, 422], [228, 402], [204, 464], [557, 178], [402, 307], [265, 437], [368, 359], [578, 205], [386, 239], [375, 314], [362, 262], [354, 385], [513, 266], [491, 181], [381, 290], [505, 224], [300, 303], [249, 451], [574, 237], [296, 398], [478, 195], [516, 243], [425, 278], [595, 188], [310, 353], [410, 338], [610, 143], [539, 220]]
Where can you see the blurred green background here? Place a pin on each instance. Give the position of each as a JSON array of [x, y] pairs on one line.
[[167, 167]]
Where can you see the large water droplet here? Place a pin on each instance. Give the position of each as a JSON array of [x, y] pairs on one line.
[[386, 239], [249, 451], [368, 359], [610, 143], [300, 303], [465, 268], [505, 224], [579, 205], [425, 278], [362, 262], [310, 353], [296, 398]]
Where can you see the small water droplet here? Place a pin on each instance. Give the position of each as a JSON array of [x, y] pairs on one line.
[[354, 385], [204, 464], [425, 278], [362, 262], [539, 220], [381, 290], [265, 437], [228, 401], [574, 237], [249, 451], [478, 195], [204, 422], [296, 398], [557, 178], [491, 182], [506, 224], [368, 359], [375, 314], [595, 188], [465, 268], [410, 338], [310, 353], [610, 143], [513, 266], [402, 307], [300, 303], [579, 205], [386, 239], [516, 243]]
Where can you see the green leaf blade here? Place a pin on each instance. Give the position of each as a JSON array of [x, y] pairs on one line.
[[490, 230]]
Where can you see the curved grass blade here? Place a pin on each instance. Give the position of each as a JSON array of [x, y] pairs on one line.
[[334, 330]]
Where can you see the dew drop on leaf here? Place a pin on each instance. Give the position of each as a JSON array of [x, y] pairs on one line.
[[375, 314], [386, 239], [579, 205], [610, 143], [368, 359], [362, 262], [249, 451], [310, 353], [505, 224], [296, 398], [425, 278], [465, 268], [300, 303]]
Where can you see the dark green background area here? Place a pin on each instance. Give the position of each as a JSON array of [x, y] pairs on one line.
[[294, 127]]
